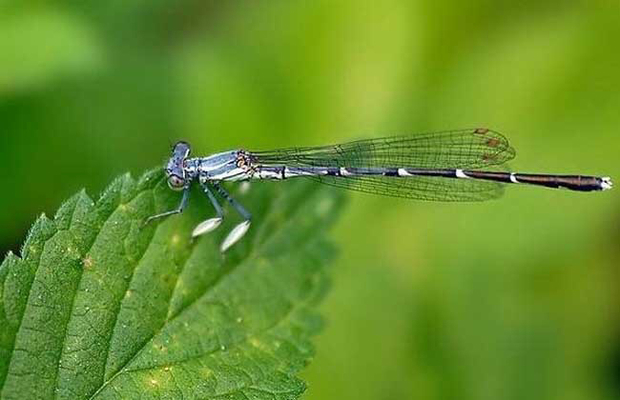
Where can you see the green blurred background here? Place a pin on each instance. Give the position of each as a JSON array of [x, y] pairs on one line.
[[510, 299]]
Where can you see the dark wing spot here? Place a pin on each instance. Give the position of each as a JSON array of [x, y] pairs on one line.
[[494, 142]]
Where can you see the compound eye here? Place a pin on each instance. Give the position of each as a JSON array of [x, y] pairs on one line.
[[175, 182]]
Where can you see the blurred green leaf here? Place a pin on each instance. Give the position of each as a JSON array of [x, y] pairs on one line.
[[39, 46], [99, 307]]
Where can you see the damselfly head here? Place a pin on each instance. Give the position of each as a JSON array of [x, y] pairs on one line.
[[175, 168]]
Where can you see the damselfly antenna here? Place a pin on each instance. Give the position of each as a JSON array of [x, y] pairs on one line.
[[462, 165]]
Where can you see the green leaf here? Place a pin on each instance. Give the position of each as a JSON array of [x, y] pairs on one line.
[[99, 307]]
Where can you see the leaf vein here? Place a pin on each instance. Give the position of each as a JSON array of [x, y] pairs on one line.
[[181, 311], [120, 305], [74, 295]]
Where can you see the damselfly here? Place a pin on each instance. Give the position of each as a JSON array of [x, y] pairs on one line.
[[461, 165]]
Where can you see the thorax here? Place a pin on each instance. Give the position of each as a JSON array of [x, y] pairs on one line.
[[218, 167]]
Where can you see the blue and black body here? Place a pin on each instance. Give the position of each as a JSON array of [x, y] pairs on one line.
[[462, 165]]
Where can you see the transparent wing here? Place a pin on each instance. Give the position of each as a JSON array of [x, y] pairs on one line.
[[469, 148], [461, 149], [419, 187]]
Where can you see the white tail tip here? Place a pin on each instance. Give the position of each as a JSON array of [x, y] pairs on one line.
[[206, 226], [234, 235], [606, 183]]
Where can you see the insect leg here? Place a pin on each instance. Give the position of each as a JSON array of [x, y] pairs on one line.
[[238, 231], [178, 210], [211, 223]]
